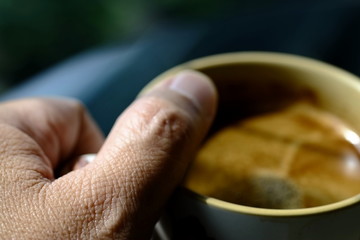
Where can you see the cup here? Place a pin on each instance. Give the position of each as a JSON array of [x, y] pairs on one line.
[[256, 84]]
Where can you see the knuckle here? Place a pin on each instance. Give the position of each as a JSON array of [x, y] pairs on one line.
[[68, 102], [164, 119], [75, 103]]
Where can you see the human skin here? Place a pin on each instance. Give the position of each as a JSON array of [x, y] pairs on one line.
[[121, 193]]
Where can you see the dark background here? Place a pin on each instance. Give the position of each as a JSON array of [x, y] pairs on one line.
[[36, 34], [103, 52]]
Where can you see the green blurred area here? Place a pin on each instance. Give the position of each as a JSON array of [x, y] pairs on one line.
[[35, 34]]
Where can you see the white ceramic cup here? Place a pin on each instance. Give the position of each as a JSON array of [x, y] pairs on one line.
[[193, 216]]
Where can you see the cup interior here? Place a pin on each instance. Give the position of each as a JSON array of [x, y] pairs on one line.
[[265, 85], [256, 84]]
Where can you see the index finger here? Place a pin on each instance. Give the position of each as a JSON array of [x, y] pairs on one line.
[[61, 128]]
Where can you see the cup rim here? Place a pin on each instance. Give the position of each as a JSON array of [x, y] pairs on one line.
[[237, 208], [280, 59], [262, 57]]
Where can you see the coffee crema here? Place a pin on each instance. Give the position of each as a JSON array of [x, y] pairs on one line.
[[298, 157]]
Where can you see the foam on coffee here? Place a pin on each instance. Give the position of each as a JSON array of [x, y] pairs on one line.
[[296, 157]]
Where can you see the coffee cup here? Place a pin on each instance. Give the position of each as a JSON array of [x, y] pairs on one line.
[[282, 160]]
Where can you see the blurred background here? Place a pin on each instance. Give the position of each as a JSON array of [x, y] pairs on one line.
[[103, 52], [36, 34]]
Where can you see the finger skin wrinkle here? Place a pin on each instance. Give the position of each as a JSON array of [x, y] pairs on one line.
[[167, 128], [33, 204], [115, 201], [37, 126], [156, 128], [21, 152], [50, 134], [46, 122], [25, 218], [94, 211], [158, 122], [142, 155]]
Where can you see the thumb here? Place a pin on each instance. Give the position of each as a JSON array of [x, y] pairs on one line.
[[147, 152]]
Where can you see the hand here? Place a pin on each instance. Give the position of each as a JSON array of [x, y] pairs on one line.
[[120, 194]]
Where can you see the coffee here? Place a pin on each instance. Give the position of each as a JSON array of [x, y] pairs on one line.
[[296, 157]]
